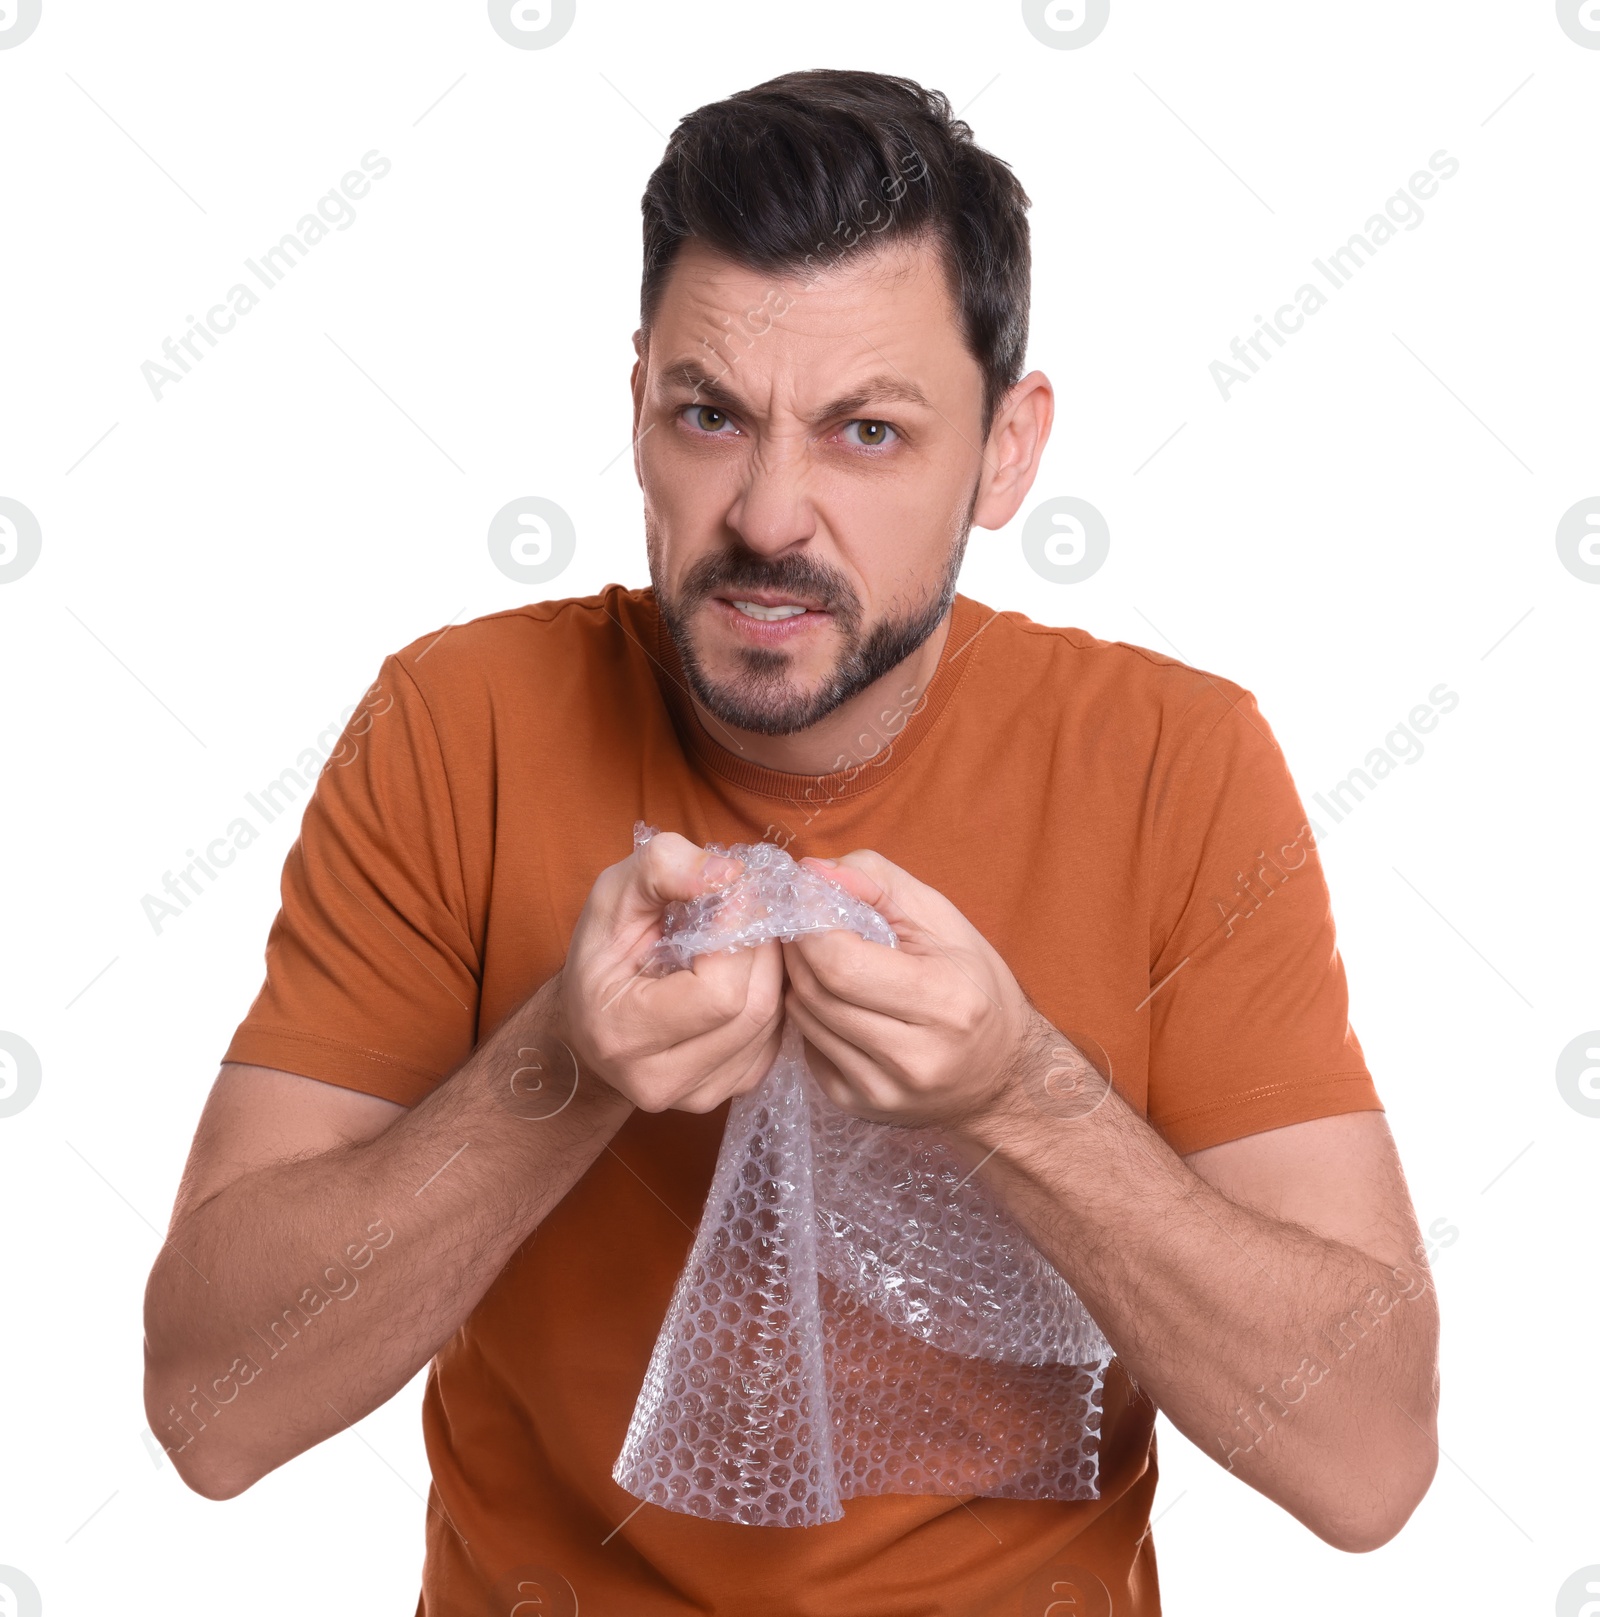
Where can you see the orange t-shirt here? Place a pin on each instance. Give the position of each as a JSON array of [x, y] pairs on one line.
[[1120, 826]]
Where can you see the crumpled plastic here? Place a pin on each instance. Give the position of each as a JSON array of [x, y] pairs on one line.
[[857, 1315]]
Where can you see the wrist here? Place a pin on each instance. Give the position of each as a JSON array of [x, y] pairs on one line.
[[535, 1073], [1011, 1109], [1048, 1082]]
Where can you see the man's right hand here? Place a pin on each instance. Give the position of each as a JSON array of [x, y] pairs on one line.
[[686, 1041], [286, 1172]]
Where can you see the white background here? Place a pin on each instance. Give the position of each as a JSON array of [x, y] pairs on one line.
[[223, 571]]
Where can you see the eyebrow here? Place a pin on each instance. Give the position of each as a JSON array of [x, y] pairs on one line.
[[875, 390]]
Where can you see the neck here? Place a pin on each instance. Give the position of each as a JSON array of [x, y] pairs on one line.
[[853, 733]]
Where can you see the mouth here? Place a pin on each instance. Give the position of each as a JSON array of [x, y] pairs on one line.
[[768, 617]]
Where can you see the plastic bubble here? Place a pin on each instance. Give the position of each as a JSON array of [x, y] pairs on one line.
[[884, 1326]]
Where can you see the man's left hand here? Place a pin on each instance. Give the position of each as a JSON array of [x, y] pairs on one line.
[[930, 1032]]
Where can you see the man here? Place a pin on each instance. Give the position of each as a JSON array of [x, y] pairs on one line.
[[458, 1126]]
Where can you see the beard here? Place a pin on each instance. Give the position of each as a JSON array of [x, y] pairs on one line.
[[761, 697]]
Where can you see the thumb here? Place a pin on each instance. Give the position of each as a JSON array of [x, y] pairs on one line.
[[876, 881], [669, 867]]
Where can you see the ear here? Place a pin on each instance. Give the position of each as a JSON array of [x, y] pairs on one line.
[[636, 386], [1015, 448], [636, 375]]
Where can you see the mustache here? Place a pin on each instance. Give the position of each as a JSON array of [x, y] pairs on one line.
[[793, 575]]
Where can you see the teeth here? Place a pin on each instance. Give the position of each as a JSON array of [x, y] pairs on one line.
[[768, 614]]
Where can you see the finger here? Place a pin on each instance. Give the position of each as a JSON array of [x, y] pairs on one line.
[[865, 1027], [651, 1015], [855, 1082], [719, 1058], [737, 1076], [895, 894], [667, 868], [927, 925], [759, 1014], [839, 966]]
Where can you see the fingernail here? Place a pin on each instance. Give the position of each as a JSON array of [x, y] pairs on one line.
[[719, 868], [810, 860]]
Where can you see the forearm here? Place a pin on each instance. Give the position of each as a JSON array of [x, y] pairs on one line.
[[305, 1294], [1303, 1365]]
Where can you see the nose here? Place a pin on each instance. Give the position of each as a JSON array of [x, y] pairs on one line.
[[773, 508]]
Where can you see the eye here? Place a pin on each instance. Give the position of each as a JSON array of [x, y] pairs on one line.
[[872, 434], [708, 419]]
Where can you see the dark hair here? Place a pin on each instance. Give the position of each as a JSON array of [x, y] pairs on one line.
[[814, 168]]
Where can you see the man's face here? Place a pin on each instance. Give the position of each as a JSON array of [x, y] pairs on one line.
[[809, 450]]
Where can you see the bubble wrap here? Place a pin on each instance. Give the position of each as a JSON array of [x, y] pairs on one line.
[[857, 1315]]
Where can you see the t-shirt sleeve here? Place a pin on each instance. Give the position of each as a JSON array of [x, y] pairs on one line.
[[372, 978], [1249, 1009]]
